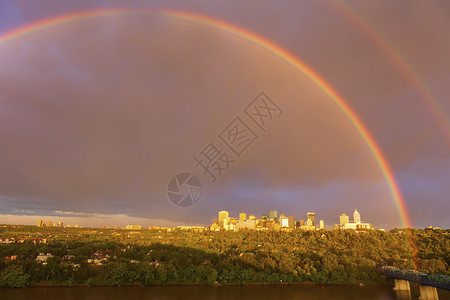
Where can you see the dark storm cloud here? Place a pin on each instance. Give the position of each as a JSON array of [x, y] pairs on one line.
[[96, 116]]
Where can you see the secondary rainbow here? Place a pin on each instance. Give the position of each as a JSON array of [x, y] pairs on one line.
[[399, 60], [248, 36]]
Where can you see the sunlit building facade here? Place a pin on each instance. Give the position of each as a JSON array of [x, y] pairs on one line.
[[356, 217], [343, 219], [357, 224], [222, 216], [312, 216]]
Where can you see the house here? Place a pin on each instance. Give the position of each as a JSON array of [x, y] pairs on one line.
[[10, 258], [43, 257]]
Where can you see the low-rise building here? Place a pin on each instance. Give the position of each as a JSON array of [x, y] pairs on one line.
[[43, 257]]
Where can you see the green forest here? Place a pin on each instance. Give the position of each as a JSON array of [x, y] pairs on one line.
[[157, 257]]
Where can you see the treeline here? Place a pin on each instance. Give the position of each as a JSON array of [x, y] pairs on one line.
[[179, 257]]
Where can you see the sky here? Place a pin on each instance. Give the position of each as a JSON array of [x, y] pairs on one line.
[[98, 115]]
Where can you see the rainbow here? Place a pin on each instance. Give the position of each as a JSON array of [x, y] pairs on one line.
[[398, 60], [246, 35]]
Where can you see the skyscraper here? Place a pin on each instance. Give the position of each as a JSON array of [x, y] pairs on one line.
[[41, 223], [312, 216], [356, 217], [322, 224], [273, 215], [242, 216], [291, 221], [343, 219], [49, 223], [222, 216]]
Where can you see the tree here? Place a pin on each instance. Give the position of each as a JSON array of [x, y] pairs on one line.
[[13, 276]]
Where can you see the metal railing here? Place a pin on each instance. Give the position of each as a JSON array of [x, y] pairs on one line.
[[436, 280]]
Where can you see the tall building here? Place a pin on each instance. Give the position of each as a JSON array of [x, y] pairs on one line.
[[322, 224], [356, 217], [41, 223], [343, 219], [312, 216], [291, 221], [60, 224], [242, 216], [273, 215], [357, 224], [49, 223], [222, 216]]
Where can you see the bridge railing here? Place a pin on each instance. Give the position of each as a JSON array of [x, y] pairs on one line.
[[436, 280]]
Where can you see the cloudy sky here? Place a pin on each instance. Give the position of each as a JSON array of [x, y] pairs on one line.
[[97, 115]]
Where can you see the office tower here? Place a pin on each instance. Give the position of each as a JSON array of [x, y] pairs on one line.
[[60, 224], [222, 216], [242, 216], [312, 216], [356, 217], [322, 224], [291, 222], [49, 223], [302, 223], [41, 223], [343, 219], [309, 222], [273, 215]]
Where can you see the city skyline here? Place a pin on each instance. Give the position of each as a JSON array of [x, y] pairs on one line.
[[242, 216], [268, 221]]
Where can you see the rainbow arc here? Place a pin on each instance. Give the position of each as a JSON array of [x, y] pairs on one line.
[[255, 39]]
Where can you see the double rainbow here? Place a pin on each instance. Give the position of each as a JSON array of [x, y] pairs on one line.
[[269, 46]]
